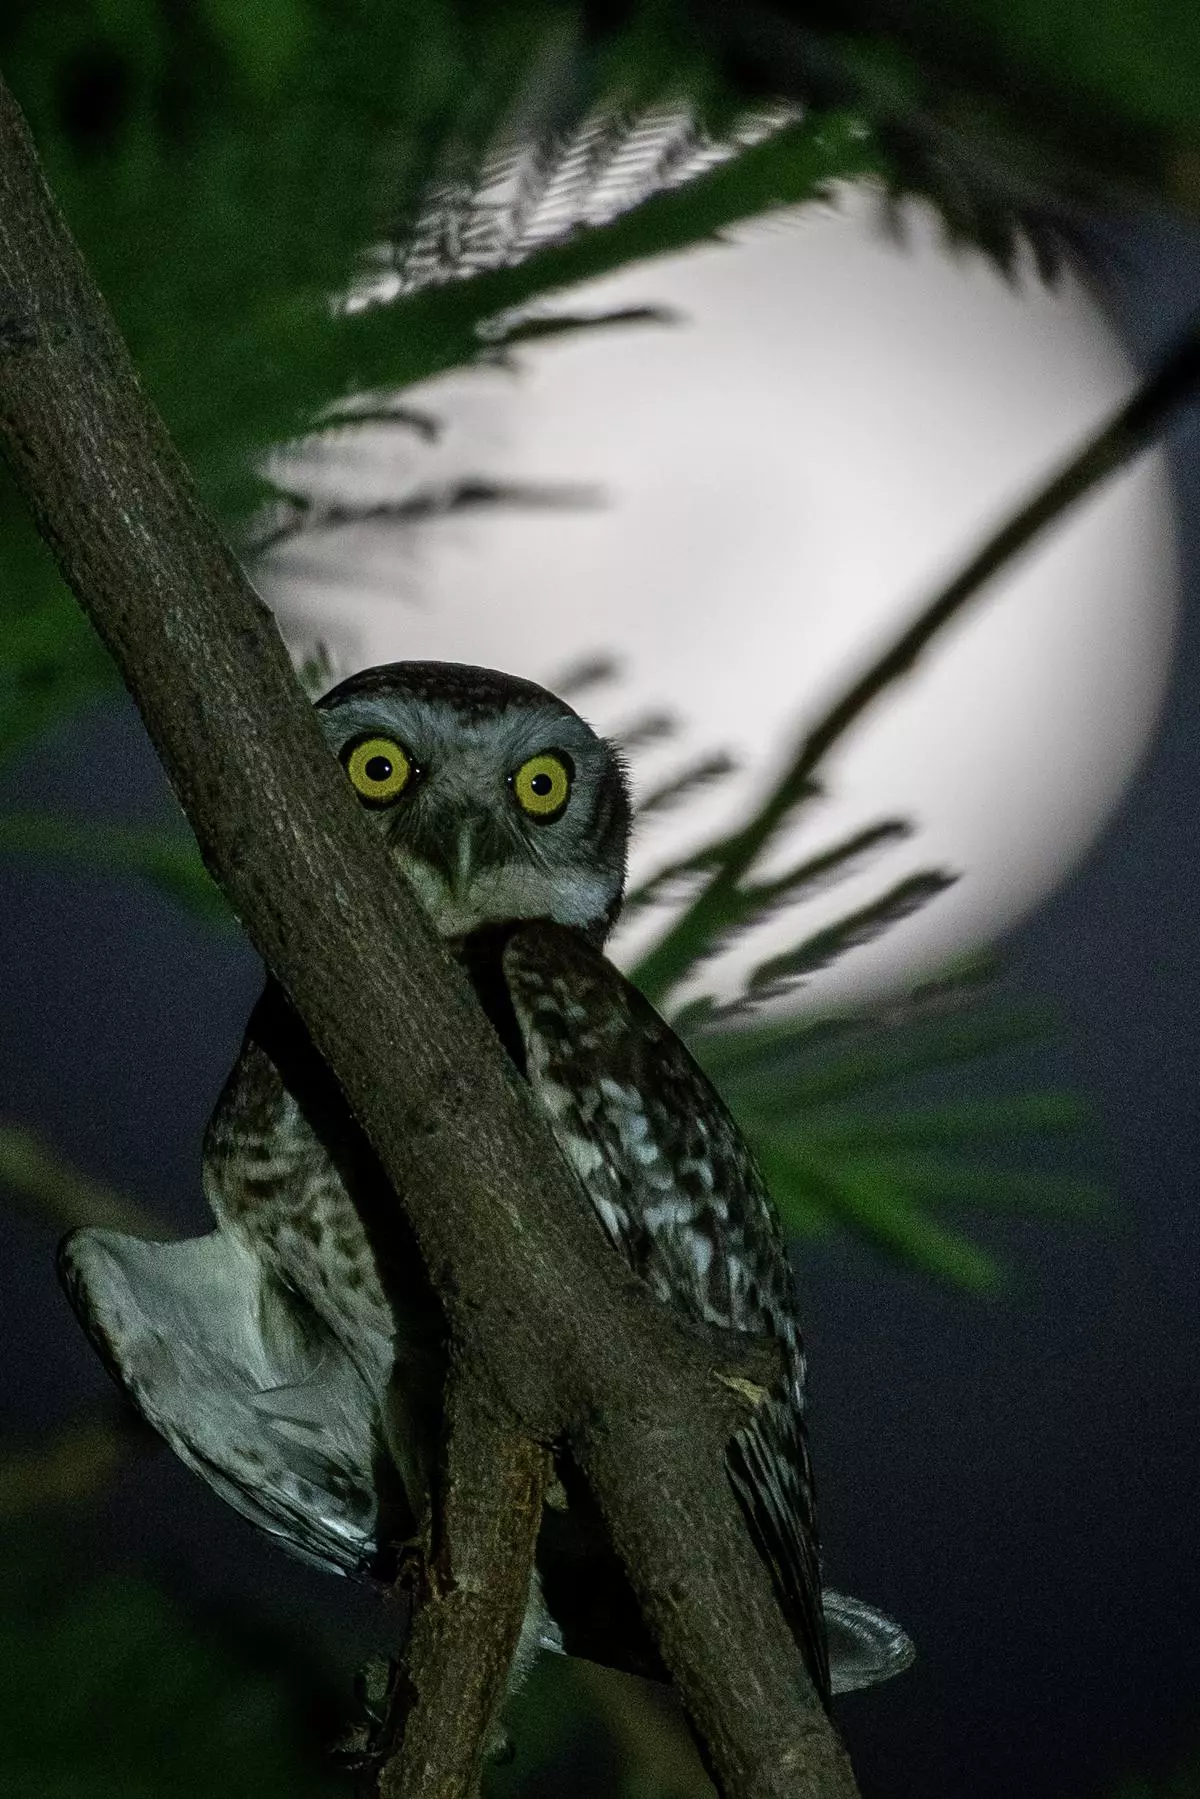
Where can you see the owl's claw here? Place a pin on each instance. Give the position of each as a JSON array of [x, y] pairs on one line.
[[370, 1737]]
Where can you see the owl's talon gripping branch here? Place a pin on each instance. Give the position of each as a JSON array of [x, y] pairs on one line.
[[554, 1326]]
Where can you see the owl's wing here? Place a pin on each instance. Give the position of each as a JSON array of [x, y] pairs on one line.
[[679, 1195], [246, 1387], [288, 1173]]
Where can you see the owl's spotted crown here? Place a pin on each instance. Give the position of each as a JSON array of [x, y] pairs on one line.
[[497, 800]]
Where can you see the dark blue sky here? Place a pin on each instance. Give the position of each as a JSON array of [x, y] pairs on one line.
[[1017, 1479]]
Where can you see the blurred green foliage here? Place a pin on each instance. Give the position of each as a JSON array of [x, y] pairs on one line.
[[630, 1736], [839, 1114], [996, 109], [109, 1687], [170, 859], [226, 184], [227, 169], [115, 1686], [1135, 65], [1182, 1783], [75, 1462], [52, 1188], [229, 173]]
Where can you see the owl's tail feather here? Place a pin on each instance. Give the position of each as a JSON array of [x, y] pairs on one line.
[[247, 1387], [770, 1471], [865, 1645], [846, 1643]]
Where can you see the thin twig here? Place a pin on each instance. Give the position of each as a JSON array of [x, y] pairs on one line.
[[357, 418], [1126, 434], [307, 517]]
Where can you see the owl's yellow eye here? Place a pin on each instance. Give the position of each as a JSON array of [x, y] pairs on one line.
[[542, 786], [379, 769]]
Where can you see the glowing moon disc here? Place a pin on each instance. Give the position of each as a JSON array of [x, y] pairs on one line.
[[787, 473]]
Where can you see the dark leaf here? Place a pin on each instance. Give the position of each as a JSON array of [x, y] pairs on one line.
[[294, 516], [829, 1060], [827, 946], [697, 777], [110, 1688], [1008, 1118], [750, 906], [525, 329]]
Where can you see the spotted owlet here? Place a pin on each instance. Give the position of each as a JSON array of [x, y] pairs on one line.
[[294, 1356]]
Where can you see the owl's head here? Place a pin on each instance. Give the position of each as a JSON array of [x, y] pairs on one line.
[[495, 798]]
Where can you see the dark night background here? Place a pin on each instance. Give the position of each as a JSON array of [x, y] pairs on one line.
[[1015, 1477]]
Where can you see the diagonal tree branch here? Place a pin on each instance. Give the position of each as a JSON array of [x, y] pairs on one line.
[[574, 1346]]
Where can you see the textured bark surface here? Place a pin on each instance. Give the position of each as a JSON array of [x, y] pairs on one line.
[[572, 1345], [476, 1586]]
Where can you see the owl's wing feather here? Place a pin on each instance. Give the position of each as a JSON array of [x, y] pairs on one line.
[[246, 1387], [771, 1472], [678, 1193]]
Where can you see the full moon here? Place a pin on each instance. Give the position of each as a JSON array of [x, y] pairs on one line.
[[756, 496]]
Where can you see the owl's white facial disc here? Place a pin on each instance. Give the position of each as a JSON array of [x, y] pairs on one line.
[[472, 802]]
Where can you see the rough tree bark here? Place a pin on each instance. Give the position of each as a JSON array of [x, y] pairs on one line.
[[476, 1572], [546, 1317]]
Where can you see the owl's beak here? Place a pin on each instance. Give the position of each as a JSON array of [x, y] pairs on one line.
[[465, 859], [446, 872], [473, 848]]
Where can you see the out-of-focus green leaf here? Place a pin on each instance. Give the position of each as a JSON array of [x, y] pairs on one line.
[[227, 169], [1141, 63], [51, 661], [631, 1735], [877, 1209], [550, 1728], [169, 858], [696, 777], [972, 1120], [797, 1062], [938, 1182], [66, 1465], [226, 184], [756, 902], [111, 1689], [1001, 115], [440, 328], [1182, 1783], [812, 1097], [536, 329], [46, 1183], [829, 945]]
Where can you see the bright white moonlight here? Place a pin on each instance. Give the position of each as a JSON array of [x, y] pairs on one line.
[[785, 474]]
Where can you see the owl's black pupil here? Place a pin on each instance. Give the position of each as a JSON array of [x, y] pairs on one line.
[[379, 769], [541, 784]]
